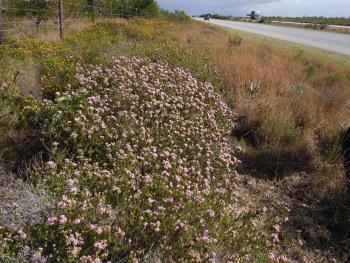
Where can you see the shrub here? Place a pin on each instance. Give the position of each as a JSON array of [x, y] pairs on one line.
[[311, 71], [20, 203], [180, 15], [140, 161]]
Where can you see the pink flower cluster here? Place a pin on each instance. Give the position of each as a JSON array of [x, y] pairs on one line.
[[149, 161]]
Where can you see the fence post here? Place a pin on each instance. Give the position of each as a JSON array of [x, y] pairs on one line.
[[1, 29], [93, 10], [60, 18], [98, 8], [110, 10]]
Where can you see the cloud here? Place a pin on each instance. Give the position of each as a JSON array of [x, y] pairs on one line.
[[219, 6], [269, 7], [308, 8]]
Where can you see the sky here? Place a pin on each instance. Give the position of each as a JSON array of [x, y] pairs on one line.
[[267, 7]]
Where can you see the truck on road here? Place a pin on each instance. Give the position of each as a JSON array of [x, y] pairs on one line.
[[255, 15]]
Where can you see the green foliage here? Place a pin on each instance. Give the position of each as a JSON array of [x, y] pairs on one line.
[[178, 15], [311, 71], [128, 8], [35, 9], [333, 78], [149, 6], [217, 16], [9, 105], [152, 9]]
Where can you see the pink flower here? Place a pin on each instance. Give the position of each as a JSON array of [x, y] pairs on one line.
[[63, 219], [15, 205], [99, 230], [101, 245], [37, 256], [22, 234], [75, 251], [168, 200], [271, 256], [77, 221], [284, 258], [51, 165], [147, 179], [275, 238], [301, 242], [277, 228], [51, 220], [167, 165], [211, 212]]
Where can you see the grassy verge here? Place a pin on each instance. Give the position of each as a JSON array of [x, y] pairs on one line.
[[315, 27], [314, 53], [314, 20]]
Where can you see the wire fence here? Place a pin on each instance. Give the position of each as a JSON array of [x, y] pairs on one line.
[[28, 21]]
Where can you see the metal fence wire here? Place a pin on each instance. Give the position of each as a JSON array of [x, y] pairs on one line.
[[59, 19]]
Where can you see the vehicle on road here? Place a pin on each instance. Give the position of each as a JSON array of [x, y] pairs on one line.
[[255, 15], [207, 18]]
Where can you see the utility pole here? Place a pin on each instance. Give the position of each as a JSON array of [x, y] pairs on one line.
[[60, 18]]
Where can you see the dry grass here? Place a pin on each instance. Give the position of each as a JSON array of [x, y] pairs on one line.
[[21, 203]]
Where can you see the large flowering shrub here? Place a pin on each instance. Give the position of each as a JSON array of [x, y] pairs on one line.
[[140, 162]]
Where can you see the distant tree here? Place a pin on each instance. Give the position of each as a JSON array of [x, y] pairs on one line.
[[181, 15], [149, 6], [152, 9], [72, 8]]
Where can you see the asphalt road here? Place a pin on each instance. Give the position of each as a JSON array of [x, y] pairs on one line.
[[335, 42]]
